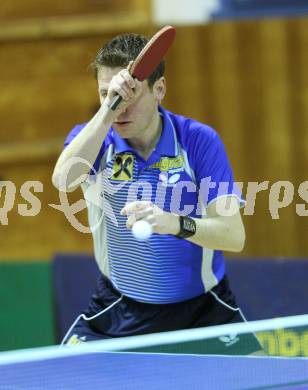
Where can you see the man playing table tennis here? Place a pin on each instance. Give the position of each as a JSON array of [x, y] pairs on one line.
[[173, 172]]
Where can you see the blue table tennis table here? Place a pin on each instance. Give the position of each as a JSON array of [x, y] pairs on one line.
[[127, 370]]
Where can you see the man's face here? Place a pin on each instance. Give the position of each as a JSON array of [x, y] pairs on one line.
[[139, 116]]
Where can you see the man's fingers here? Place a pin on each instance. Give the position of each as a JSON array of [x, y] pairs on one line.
[[151, 220], [141, 210], [129, 80], [129, 66], [144, 213], [134, 207], [121, 90], [130, 221], [126, 86], [133, 218]]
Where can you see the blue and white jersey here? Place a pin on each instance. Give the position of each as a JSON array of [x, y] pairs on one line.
[[187, 171]]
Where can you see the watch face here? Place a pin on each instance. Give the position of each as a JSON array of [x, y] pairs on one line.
[[189, 225]]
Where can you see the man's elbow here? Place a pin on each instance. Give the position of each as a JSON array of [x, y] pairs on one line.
[[59, 183], [55, 180], [65, 184]]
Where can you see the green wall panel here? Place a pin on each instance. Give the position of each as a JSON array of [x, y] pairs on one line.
[[26, 305]]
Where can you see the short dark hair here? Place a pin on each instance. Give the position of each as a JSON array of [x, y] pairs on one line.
[[120, 51]]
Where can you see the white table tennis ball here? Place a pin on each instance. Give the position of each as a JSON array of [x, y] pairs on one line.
[[142, 230]]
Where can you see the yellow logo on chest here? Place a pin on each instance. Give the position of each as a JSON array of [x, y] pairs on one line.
[[123, 167], [167, 163]]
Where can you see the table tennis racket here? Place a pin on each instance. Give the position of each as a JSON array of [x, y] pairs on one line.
[[149, 58]]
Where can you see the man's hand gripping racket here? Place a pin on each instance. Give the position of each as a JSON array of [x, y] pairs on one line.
[[149, 58]]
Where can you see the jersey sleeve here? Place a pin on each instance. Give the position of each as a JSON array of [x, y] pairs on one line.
[[213, 171], [72, 134]]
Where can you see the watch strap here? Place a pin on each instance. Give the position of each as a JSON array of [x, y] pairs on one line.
[[187, 227]]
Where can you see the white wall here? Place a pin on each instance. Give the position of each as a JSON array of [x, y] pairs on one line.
[[183, 11]]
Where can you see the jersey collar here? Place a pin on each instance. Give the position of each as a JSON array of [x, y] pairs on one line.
[[166, 146]]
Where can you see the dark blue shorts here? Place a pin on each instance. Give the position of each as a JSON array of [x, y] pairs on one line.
[[111, 314]]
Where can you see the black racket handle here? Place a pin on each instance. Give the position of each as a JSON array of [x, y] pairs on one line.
[[115, 102]]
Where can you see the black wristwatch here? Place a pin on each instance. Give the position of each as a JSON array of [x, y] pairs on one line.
[[187, 227]]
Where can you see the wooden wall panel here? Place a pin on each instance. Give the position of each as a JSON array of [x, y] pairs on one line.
[[36, 8], [248, 80], [44, 86], [39, 236]]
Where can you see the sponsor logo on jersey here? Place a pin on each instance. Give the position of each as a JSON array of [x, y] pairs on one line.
[[123, 167], [168, 163], [169, 180]]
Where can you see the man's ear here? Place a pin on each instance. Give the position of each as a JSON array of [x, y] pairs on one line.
[[159, 89]]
